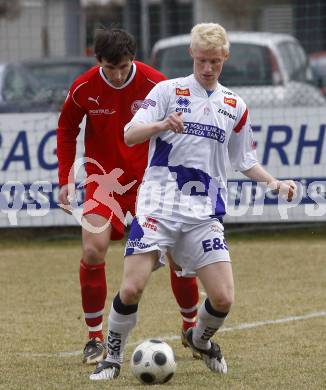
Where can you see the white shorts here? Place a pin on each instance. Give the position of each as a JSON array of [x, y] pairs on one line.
[[191, 246]]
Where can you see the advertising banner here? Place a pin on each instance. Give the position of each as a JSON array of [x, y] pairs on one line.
[[290, 144]]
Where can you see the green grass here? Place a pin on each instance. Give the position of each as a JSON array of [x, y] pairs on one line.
[[276, 276]]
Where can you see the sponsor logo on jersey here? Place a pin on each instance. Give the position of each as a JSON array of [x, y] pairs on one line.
[[182, 92], [206, 131], [102, 111], [224, 112], [230, 101], [228, 92], [150, 223], [135, 106], [148, 102]]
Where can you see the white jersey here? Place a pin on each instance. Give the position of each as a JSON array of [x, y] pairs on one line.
[[185, 179]]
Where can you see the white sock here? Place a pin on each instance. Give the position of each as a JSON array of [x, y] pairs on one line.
[[209, 321], [120, 326]]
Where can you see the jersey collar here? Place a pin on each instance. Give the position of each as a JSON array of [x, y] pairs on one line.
[[201, 90], [134, 67]]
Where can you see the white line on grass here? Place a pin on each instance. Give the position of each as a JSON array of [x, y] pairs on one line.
[[175, 337], [250, 325]]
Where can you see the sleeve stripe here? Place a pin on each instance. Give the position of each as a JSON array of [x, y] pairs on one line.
[[242, 121], [151, 81], [72, 96]]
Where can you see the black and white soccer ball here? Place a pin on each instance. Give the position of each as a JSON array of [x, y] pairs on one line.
[[153, 362]]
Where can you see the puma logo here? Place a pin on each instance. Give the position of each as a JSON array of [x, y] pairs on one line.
[[94, 100]]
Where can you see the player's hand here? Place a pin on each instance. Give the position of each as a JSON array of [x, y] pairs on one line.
[[286, 188], [174, 122], [65, 196]]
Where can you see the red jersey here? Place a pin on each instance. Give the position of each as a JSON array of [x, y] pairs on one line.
[[108, 109]]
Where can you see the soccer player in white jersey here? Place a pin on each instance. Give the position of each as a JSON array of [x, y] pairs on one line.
[[195, 126]]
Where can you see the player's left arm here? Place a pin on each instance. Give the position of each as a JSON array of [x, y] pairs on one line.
[[286, 188], [243, 157]]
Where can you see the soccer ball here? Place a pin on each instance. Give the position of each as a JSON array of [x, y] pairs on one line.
[[153, 362]]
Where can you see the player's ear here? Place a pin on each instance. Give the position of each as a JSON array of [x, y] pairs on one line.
[[190, 52]]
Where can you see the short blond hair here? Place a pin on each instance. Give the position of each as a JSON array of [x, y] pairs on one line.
[[210, 36]]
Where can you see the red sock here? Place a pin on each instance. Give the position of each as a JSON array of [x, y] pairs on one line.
[[93, 292], [186, 294]]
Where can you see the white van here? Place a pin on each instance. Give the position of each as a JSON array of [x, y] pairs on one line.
[[265, 69]]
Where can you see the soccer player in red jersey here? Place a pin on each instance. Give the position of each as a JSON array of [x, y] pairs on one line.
[[109, 95]]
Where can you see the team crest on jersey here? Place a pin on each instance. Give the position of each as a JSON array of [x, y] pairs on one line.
[[148, 103], [230, 101], [135, 106], [182, 92]]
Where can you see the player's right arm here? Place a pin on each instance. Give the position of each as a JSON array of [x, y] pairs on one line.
[[152, 117], [64, 197], [140, 132], [68, 129]]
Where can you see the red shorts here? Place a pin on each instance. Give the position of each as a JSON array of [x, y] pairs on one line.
[[125, 203]]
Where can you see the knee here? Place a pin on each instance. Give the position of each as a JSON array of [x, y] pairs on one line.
[[223, 301], [93, 254], [130, 294]]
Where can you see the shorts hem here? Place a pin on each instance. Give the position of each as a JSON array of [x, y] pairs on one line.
[[117, 233], [215, 261], [161, 256]]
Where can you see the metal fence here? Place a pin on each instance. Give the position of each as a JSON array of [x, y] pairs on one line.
[[48, 28]]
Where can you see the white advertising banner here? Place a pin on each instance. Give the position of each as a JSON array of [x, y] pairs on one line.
[[290, 144], [29, 171]]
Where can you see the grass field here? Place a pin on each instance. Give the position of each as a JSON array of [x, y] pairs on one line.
[[277, 276]]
